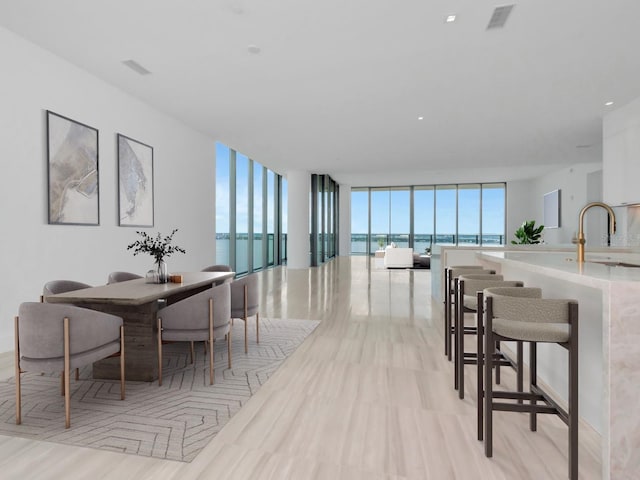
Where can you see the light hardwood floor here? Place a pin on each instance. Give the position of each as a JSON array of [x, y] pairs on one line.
[[367, 396]]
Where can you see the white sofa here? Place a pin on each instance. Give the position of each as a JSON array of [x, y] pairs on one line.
[[398, 257]]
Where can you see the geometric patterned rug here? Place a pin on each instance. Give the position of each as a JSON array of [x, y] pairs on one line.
[[174, 421]]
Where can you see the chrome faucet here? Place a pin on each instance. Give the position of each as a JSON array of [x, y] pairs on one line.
[[581, 241]]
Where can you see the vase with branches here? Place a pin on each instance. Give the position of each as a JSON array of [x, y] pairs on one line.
[[159, 248]]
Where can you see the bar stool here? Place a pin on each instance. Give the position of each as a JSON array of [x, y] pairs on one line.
[[450, 274], [521, 314], [468, 300]]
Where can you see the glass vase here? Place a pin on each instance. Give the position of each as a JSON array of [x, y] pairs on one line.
[[163, 271]]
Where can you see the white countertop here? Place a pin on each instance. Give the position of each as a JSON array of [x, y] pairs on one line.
[[564, 265]]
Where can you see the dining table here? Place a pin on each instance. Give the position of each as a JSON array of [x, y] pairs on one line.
[[138, 304]]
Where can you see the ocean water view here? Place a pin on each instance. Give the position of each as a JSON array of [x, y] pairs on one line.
[[358, 245], [242, 251], [421, 242]]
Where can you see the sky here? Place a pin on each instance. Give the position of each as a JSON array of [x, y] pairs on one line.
[[389, 207], [242, 194]]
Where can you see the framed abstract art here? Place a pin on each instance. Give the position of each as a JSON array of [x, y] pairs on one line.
[[135, 183], [72, 165]]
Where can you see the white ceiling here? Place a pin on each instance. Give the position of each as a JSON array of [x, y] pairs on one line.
[[339, 84]]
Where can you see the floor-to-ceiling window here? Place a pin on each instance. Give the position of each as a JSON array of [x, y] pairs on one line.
[[399, 220], [257, 215], [242, 214], [379, 236], [270, 217], [323, 218], [423, 218], [424, 215], [493, 213], [446, 206], [284, 196], [468, 214], [223, 216], [359, 220], [250, 213]]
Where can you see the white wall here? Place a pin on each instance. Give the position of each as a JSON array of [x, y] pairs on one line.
[[573, 182], [344, 215], [519, 206], [298, 192], [34, 252]]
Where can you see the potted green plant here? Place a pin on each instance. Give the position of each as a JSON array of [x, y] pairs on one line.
[[528, 233]]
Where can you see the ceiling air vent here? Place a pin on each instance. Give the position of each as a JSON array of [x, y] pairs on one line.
[[136, 67], [499, 17]]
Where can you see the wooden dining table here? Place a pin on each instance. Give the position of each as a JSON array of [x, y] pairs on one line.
[[139, 304]]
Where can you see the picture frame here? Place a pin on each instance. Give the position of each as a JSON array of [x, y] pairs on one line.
[[72, 171], [552, 209], [135, 183]]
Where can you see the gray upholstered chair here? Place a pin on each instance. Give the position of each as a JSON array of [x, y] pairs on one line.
[[62, 286], [116, 277], [520, 314], [245, 302], [58, 337], [220, 268], [205, 316]]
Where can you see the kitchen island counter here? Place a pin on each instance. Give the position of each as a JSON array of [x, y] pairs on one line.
[[609, 304]]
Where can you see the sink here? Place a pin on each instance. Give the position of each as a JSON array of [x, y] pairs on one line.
[[610, 263]]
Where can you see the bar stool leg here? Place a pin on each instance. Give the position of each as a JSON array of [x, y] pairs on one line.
[[573, 393], [479, 365], [447, 309], [488, 383], [456, 335], [533, 382], [519, 371], [497, 349]]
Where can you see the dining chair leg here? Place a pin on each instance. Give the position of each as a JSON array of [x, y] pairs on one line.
[[229, 347], [192, 351], [245, 318], [67, 374], [77, 374], [211, 341], [257, 328], [212, 376], [159, 352], [122, 364], [62, 383], [17, 369]]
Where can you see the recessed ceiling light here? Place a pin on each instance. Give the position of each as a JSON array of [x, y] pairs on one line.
[[253, 49], [420, 118], [608, 104], [450, 18]]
